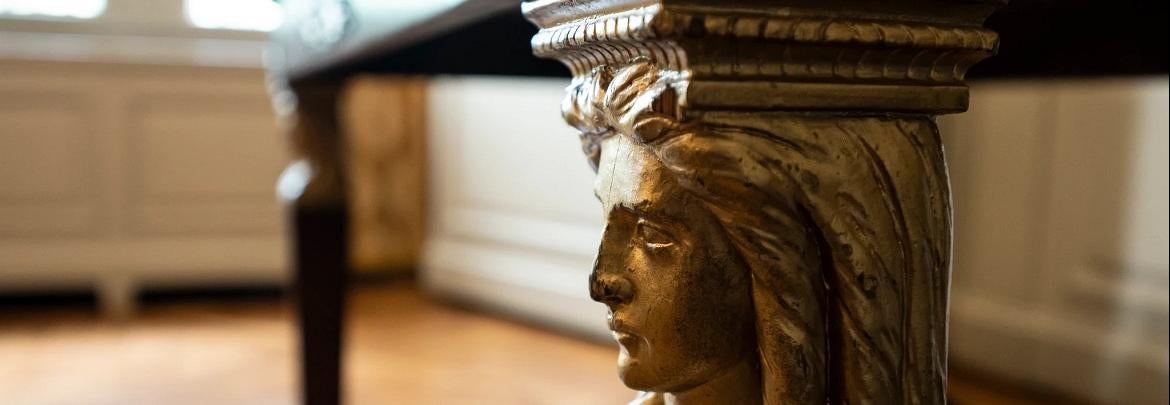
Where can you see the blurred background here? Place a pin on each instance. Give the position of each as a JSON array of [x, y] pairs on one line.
[[143, 257]]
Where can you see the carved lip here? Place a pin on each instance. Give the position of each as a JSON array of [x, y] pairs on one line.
[[626, 340], [617, 326], [623, 334]]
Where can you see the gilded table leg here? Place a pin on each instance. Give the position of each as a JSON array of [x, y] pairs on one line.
[[313, 189], [775, 191]]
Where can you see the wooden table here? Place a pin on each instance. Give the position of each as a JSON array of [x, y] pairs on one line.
[[325, 42]]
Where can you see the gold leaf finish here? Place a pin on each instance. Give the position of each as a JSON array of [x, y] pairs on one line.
[[776, 195]]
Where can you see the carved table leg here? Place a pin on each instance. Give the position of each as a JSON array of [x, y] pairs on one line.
[[313, 189], [775, 191]]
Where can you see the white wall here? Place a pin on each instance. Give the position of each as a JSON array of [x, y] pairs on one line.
[[154, 32], [514, 221], [1061, 268]]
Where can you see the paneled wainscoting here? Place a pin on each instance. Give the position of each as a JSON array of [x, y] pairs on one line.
[[120, 176]]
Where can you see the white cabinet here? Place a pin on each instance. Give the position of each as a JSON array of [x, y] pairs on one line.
[[127, 175]]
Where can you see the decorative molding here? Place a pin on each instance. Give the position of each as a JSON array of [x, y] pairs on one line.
[[904, 51], [911, 61]]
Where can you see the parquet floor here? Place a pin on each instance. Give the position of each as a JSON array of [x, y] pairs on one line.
[[404, 349]]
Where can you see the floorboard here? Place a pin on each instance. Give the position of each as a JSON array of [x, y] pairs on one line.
[[404, 349]]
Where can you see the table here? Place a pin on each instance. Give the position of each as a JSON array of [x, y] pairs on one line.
[[326, 41]]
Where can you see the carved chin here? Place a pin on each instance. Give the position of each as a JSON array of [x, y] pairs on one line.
[[625, 360], [632, 377], [632, 372]]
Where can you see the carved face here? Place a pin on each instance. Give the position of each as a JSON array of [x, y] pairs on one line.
[[679, 299]]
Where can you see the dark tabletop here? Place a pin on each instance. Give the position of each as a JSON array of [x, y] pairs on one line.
[[330, 39]]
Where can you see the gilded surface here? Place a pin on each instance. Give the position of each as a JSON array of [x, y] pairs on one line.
[[775, 192], [385, 153], [808, 254]]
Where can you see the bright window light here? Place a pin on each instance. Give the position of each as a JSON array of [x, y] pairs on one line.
[[53, 8], [250, 15]]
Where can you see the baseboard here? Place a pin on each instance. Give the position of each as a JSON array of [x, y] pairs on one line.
[[537, 286], [1099, 364]]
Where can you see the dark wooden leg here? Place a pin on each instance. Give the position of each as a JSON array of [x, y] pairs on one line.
[[313, 188], [320, 286]]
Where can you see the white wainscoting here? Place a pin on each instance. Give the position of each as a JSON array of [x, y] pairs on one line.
[[1061, 266], [125, 175], [1060, 195], [515, 224]]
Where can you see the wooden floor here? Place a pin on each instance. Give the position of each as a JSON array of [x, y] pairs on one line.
[[404, 350]]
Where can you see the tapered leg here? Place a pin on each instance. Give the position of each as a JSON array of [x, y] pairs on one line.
[[319, 286], [313, 189]]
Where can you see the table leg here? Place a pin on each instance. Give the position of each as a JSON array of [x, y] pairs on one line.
[[319, 287], [313, 188]]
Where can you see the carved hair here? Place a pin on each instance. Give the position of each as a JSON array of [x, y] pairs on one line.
[[848, 249]]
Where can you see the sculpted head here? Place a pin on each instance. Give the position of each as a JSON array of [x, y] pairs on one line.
[[680, 302], [756, 248]]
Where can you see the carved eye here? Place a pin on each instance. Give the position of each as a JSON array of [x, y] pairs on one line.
[[653, 236]]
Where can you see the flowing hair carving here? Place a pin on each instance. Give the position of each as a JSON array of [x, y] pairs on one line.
[[843, 221]]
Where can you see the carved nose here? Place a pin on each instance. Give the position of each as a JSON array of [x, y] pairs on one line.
[[609, 289]]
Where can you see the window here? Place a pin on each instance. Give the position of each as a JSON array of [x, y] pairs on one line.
[[248, 15], [53, 8]]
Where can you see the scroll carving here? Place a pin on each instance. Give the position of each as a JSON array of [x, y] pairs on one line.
[[776, 197]]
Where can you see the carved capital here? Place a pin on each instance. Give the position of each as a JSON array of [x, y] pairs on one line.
[[897, 56]]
